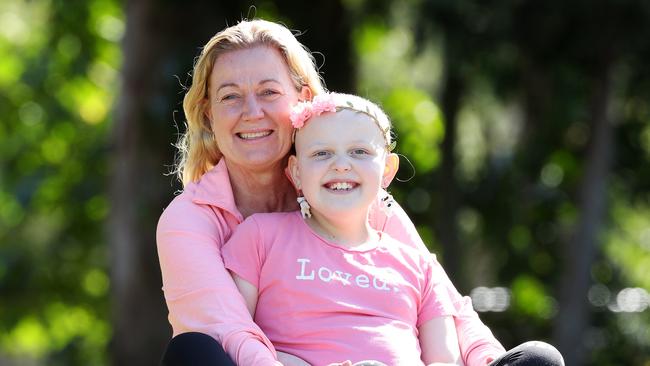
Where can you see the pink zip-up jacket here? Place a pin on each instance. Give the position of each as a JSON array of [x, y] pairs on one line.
[[201, 296]]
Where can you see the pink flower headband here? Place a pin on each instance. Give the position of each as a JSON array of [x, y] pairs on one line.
[[303, 111], [322, 103]]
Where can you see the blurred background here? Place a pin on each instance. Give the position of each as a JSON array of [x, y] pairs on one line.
[[526, 124]]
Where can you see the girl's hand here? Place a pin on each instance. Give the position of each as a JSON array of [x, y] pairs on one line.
[[360, 363], [291, 360]]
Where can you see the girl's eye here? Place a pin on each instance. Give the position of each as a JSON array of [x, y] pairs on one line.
[[320, 154], [359, 152]]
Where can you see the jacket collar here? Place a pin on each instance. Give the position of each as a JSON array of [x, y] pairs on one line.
[[214, 189]]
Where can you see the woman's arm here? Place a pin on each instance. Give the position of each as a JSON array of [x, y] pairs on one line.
[[200, 294], [250, 294], [439, 342], [477, 344]]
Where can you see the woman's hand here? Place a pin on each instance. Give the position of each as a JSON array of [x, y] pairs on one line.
[[291, 360]]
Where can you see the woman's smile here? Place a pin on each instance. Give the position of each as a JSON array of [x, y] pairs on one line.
[[254, 135]]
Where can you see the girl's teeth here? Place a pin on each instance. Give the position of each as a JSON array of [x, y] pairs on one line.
[[254, 135], [340, 186]]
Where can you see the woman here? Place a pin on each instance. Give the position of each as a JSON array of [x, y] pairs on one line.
[[233, 158]]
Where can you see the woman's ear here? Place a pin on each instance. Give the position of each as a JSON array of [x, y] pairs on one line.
[[207, 111], [305, 93], [292, 172], [392, 164]]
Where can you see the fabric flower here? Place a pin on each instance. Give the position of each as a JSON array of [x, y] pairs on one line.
[[303, 111], [300, 113], [323, 103]]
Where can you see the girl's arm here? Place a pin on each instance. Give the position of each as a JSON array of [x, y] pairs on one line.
[[248, 291], [439, 342], [200, 294], [477, 344]]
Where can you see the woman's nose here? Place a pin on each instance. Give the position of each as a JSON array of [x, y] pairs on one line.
[[252, 108]]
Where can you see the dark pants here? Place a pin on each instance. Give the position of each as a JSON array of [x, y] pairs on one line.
[[531, 354], [197, 349]]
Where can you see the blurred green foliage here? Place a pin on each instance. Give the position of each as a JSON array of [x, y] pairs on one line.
[[58, 80], [520, 162]]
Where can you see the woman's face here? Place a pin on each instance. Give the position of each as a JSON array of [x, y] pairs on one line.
[[250, 97]]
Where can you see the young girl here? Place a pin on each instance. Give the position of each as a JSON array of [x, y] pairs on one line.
[[321, 283]]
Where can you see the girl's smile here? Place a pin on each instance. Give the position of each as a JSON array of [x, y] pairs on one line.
[[344, 186]]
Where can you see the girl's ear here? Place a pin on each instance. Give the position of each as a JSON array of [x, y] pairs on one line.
[[292, 172], [392, 164], [306, 93]]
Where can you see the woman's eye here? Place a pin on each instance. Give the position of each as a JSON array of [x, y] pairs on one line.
[[229, 97], [269, 92]]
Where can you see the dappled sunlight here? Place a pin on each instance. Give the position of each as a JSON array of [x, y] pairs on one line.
[[22, 21], [90, 101], [34, 337], [488, 132], [28, 338], [419, 127], [496, 299], [387, 60], [628, 241], [531, 298]]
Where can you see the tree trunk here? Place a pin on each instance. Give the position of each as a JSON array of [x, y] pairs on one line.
[[447, 208], [329, 36], [139, 329], [574, 310], [160, 43]]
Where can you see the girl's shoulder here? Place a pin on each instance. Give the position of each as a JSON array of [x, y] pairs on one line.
[[409, 255]]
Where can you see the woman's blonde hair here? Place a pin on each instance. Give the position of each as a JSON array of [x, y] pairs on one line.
[[197, 149]]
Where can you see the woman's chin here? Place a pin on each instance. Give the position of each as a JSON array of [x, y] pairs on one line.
[[259, 160]]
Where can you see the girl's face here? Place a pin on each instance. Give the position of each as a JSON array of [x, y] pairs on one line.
[[250, 96], [341, 163]]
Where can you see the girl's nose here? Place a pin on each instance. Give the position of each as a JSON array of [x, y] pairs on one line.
[[252, 109], [341, 163]]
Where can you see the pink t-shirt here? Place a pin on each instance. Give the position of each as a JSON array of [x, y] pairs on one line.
[[325, 303]]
